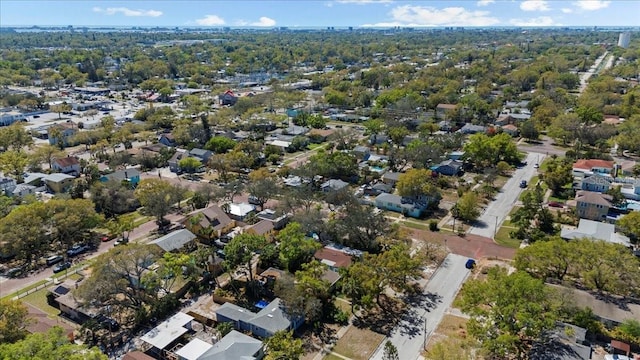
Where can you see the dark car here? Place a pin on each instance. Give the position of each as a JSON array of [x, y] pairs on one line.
[[78, 249], [556, 204], [61, 267], [523, 184], [107, 323], [470, 264], [15, 272], [54, 259]]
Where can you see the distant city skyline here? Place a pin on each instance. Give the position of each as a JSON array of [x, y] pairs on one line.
[[319, 13]]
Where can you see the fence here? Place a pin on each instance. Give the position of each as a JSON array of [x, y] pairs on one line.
[[50, 281]]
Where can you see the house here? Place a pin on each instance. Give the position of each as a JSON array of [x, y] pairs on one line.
[[594, 230], [174, 161], [565, 342], [592, 205], [596, 183], [61, 132], [295, 130], [175, 240], [167, 139], [168, 332], [130, 175], [61, 297], [333, 185], [442, 109], [67, 165], [201, 154], [334, 259], [396, 203], [7, 185], [210, 222], [361, 152], [263, 324], [379, 139], [593, 166], [233, 346], [319, 135], [228, 98], [391, 178], [448, 167], [58, 183], [282, 144], [23, 190], [445, 126], [240, 211], [261, 228], [469, 128], [9, 117], [378, 189], [278, 219], [510, 129]]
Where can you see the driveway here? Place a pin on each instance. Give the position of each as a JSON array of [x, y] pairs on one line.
[[497, 211], [426, 311]]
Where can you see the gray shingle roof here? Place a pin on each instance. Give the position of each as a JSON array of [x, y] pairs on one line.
[[174, 240], [234, 346]]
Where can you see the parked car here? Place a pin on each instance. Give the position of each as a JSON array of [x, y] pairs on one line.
[[555, 204], [470, 264], [54, 259], [78, 249], [61, 267], [536, 166], [523, 184], [107, 322], [15, 272], [253, 200], [106, 238]]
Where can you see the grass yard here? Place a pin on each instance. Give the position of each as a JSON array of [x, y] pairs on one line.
[[503, 238], [38, 299], [415, 225], [450, 339], [27, 288], [343, 305], [358, 344]]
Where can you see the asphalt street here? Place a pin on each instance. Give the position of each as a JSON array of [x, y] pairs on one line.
[[497, 211], [426, 311]]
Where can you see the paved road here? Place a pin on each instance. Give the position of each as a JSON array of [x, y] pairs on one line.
[[427, 311], [497, 211]]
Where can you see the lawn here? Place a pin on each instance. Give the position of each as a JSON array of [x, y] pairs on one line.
[[503, 238], [25, 289], [415, 225], [358, 344], [39, 300], [450, 339], [343, 305]]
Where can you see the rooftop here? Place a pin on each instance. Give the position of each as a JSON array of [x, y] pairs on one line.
[[588, 164], [174, 240], [168, 331]]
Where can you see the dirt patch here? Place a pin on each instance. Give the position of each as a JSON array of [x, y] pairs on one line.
[[472, 246], [358, 344]]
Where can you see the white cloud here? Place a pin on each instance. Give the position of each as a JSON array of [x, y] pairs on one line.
[[538, 21], [362, 2], [128, 12], [410, 15], [210, 20], [264, 21], [534, 5], [567, 10], [485, 2], [591, 5]]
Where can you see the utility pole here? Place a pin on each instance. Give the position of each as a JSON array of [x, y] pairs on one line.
[[424, 339], [495, 229]]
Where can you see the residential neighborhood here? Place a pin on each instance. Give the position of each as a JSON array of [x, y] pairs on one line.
[[176, 199]]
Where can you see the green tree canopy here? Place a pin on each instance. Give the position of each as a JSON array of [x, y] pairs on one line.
[[53, 344], [508, 311], [295, 248], [13, 321], [283, 346]]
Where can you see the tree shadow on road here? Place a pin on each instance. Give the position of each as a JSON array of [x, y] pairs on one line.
[[412, 321]]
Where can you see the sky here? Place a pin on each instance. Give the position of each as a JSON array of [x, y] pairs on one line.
[[319, 13]]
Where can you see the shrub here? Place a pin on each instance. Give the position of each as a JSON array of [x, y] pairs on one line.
[[433, 225]]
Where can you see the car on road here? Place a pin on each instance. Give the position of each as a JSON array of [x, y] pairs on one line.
[[470, 264], [61, 267], [120, 241], [555, 204], [106, 238], [54, 259], [523, 184], [15, 272], [536, 166]]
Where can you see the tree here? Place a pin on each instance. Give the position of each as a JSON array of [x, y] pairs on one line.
[[120, 278], [508, 311], [630, 225], [113, 198], [417, 183], [157, 196], [13, 163], [529, 131], [558, 175], [390, 351], [15, 137], [295, 248], [189, 164], [220, 144], [241, 250], [263, 190], [547, 259], [46, 153], [60, 108], [282, 346], [484, 151], [13, 321], [121, 225], [54, 344], [468, 207], [533, 220], [221, 164]]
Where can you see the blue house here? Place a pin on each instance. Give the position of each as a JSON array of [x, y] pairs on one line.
[[596, 183], [398, 204], [448, 167], [263, 324], [130, 175]]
